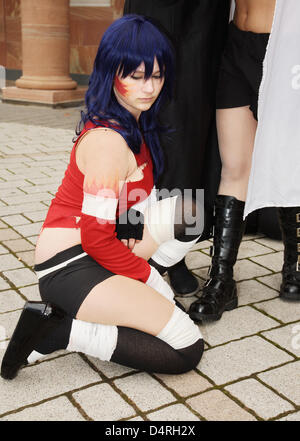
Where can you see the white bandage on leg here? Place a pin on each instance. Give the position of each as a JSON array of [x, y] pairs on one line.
[[156, 282], [180, 331], [159, 218], [93, 339], [172, 251]]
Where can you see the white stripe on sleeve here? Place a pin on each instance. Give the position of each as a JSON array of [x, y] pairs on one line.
[[100, 207]]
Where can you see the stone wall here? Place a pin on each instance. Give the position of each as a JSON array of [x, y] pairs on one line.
[[87, 24]]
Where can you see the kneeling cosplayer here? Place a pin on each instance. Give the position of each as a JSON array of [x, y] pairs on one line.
[[102, 294]]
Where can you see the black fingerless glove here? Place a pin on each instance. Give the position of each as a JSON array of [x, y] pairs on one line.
[[130, 225]]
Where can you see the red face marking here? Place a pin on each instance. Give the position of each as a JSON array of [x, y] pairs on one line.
[[120, 86]]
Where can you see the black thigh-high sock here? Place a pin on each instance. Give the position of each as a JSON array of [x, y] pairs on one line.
[[142, 351], [135, 349]]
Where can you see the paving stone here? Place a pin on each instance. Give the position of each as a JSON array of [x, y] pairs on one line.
[[146, 392], [27, 257], [33, 239], [196, 259], [29, 230], [31, 292], [3, 250], [240, 359], [15, 200], [18, 245], [7, 234], [3, 284], [110, 369], [280, 309], [204, 245], [9, 320], [176, 412], [291, 417], [35, 383], [252, 236], [214, 405], [16, 219], [185, 384], [285, 380], [251, 291], [10, 300], [2, 224], [288, 337], [273, 261], [58, 409], [186, 302], [263, 401], [136, 419], [103, 403], [21, 277], [8, 261], [236, 324], [245, 269], [250, 248], [274, 281], [276, 245], [201, 273], [36, 216]]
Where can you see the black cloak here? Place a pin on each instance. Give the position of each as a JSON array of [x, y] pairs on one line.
[[198, 30]]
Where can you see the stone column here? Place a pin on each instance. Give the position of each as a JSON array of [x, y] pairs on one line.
[[45, 55]]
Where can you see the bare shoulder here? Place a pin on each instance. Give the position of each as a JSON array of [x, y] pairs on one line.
[[102, 148]]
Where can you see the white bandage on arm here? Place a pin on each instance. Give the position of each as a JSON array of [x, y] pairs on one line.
[[180, 331]]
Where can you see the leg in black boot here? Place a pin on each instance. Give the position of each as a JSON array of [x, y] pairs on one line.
[[289, 220], [36, 320], [219, 293], [182, 281]]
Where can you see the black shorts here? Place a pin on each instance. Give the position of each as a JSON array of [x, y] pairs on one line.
[[241, 69], [69, 285]]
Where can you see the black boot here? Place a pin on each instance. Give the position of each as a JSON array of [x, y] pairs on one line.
[[219, 292], [289, 220], [182, 281], [36, 320]]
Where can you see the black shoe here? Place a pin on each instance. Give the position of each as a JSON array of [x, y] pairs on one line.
[[36, 319], [220, 297], [219, 292], [182, 281], [289, 220]]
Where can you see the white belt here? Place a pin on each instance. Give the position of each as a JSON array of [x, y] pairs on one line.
[[43, 273]]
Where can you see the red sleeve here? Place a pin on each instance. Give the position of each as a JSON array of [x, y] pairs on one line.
[[98, 238]]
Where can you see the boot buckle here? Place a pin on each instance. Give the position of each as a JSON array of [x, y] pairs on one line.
[[298, 218], [298, 247], [298, 232], [298, 264], [212, 250]]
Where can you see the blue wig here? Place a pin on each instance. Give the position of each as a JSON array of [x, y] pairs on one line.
[[127, 43]]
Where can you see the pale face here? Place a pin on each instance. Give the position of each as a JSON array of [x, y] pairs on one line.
[[135, 92]]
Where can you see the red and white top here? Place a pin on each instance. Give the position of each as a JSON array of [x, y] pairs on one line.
[[96, 215]]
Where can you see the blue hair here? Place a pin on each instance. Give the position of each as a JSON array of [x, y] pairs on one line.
[[127, 43]]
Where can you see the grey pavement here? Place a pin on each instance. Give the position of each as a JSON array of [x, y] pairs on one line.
[[250, 367]]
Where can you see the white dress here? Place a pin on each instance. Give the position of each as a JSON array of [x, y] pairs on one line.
[[275, 172]]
